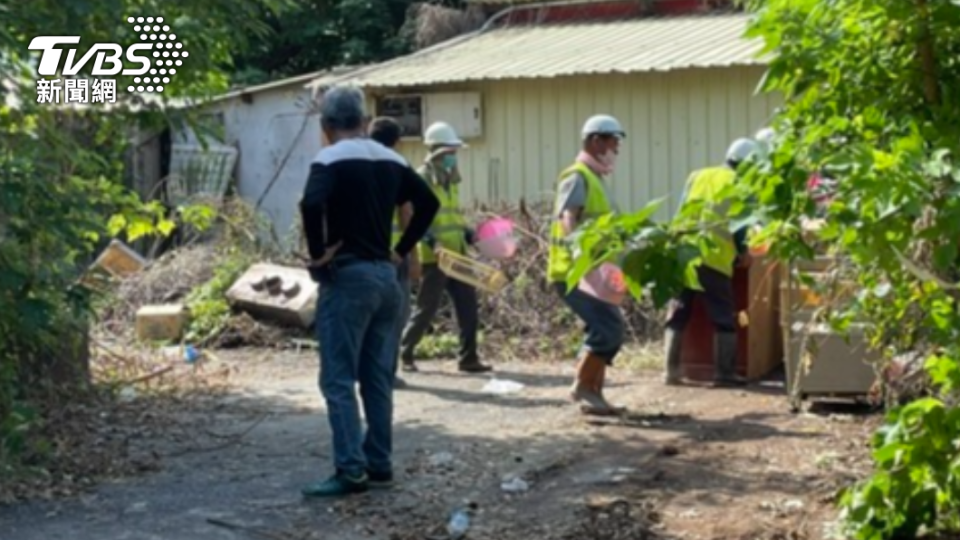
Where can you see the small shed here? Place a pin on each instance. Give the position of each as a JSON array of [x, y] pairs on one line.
[[275, 130], [519, 89]]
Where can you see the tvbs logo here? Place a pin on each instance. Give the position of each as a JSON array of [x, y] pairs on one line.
[[151, 61]]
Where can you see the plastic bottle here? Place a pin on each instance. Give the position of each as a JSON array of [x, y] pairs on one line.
[[190, 354], [458, 524]]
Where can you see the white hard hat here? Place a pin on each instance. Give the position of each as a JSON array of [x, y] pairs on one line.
[[742, 149], [602, 124], [441, 134]]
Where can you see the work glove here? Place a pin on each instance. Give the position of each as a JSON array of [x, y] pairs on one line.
[[470, 236]]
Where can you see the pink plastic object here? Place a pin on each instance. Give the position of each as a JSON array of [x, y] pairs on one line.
[[498, 247], [494, 228], [606, 283]]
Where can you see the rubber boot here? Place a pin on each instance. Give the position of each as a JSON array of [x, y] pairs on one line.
[[584, 391], [673, 341], [598, 387], [725, 360]]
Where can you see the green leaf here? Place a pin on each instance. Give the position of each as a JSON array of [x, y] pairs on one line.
[[116, 224], [942, 313], [166, 226], [138, 227], [639, 217]]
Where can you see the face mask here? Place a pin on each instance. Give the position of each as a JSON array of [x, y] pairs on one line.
[[449, 161], [609, 159]]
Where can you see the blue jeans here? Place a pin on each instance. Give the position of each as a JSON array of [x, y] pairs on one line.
[[605, 325], [357, 313]]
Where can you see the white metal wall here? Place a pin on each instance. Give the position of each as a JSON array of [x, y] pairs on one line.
[[275, 123], [676, 122]]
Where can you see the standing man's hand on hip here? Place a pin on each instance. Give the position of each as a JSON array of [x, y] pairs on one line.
[[328, 255]]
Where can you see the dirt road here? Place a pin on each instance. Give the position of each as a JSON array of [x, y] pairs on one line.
[[691, 463]]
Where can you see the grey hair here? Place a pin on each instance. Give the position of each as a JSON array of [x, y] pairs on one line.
[[342, 108]]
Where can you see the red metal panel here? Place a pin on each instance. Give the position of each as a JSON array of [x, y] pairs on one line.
[[605, 11], [679, 7], [697, 351]]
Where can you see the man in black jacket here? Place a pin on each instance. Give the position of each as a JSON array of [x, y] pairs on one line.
[[353, 190], [387, 131]]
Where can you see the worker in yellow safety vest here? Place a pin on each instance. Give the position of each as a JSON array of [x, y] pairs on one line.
[[448, 231], [582, 194], [715, 272], [387, 131]]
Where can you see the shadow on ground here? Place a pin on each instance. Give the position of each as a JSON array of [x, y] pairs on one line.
[[242, 458]]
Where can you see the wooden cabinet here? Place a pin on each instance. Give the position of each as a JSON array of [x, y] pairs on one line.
[[760, 346]]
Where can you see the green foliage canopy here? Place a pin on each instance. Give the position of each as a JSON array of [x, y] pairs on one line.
[[62, 174], [870, 94]]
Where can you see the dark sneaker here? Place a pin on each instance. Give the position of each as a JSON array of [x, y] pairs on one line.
[[338, 485], [409, 366], [399, 383], [475, 367], [380, 480], [730, 382]]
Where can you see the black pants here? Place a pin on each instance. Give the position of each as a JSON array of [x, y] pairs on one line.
[[717, 293], [432, 285]]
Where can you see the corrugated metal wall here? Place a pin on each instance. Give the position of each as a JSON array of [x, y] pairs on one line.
[[277, 137], [676, 122]]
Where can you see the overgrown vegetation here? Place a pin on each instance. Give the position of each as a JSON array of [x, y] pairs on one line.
[[870, 89], [62, 175], [526, 321], [870, 93], [311, 35]]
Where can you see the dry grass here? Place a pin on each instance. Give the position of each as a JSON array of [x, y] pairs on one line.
[[432, 24], [239, 235], [526, 321], [168, 279]]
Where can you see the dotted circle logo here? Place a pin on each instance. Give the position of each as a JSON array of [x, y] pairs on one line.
[[166, 57]]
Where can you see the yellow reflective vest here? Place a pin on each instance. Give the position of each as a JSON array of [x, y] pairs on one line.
[[448, 227], [397, 231], [596, 205], [705, 185]]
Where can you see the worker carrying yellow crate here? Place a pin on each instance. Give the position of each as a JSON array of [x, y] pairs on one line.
[[450, 232]]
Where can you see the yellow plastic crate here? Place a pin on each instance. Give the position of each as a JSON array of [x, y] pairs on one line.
[[471, 272]]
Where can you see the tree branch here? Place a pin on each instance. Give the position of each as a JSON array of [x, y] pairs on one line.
[[928, 61]]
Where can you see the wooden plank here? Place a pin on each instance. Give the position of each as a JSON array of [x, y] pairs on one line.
[[764, 352]]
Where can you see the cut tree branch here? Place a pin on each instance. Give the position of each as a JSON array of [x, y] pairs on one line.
[[928, 60]]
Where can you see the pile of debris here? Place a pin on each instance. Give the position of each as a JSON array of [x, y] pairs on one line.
[[205, 295], [217, 295]]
